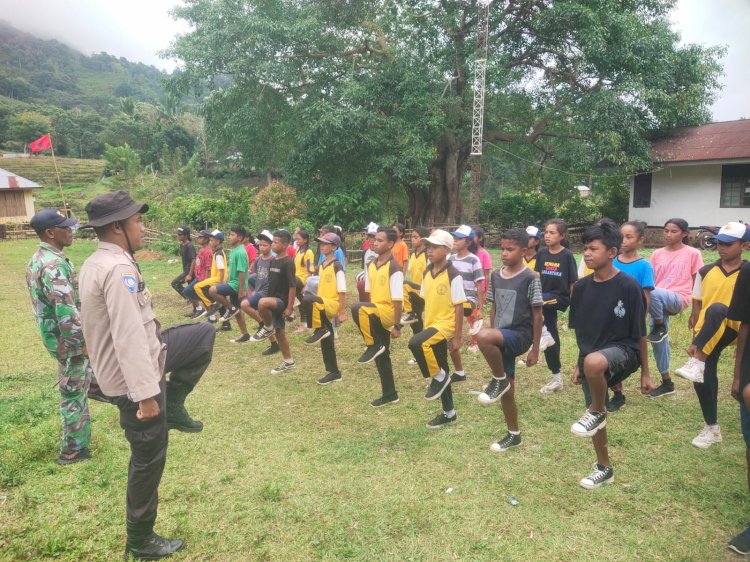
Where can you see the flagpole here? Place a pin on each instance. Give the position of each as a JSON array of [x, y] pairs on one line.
[[59, 183]]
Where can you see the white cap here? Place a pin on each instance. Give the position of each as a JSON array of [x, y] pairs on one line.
[[440, 238], [266, 235], [533, 231], [463, 231], [732, 232], [372, 228]]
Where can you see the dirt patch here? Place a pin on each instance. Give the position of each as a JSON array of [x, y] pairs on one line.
[[149, 255]]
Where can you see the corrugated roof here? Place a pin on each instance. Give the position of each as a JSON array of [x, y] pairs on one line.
[[9, 180], [725, 140]]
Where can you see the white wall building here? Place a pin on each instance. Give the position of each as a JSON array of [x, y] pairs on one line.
[[701, 174]]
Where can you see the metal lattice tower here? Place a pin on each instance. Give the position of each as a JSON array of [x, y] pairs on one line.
[[477, 116]]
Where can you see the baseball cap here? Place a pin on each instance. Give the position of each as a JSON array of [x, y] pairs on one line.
[[440, 238], [47, 218], [732, 232], [204, 233], [330, 238], [533, 231], [463, 231], [218, 234], [111, 207], [371, 228], [266, 235], [184, 230]]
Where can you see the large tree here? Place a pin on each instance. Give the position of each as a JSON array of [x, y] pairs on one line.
[[352, 94]]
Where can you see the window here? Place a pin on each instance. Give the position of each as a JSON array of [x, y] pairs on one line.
[[642, 190], [735, 185]]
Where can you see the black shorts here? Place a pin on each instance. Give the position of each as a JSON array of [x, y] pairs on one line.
[[623, 361]]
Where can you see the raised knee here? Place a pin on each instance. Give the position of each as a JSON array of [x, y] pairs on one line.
[[595, 363]]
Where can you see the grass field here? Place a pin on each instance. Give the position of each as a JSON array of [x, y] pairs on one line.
[[288, 470]]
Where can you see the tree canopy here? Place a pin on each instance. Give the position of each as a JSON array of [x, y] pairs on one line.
[[373, 99]]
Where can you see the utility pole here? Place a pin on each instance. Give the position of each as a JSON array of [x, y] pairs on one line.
[[477, 115]]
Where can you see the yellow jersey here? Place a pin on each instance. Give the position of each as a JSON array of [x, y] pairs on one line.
[[714, 285], [417, 265], [332, 280], [385, 283], [304, 264], [442, 291]]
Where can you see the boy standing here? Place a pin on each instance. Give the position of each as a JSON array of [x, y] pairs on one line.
[[515, 293], [329, 303], [258, 286], [187, 255], [739, 310], [712, 293], [200, 272], [607, 312], [443, 292], [377, 319], [277, 306], [232, 293]]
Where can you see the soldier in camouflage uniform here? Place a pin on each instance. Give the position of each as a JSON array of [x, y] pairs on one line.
[[54, 297]]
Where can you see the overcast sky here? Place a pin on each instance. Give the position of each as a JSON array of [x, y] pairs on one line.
[[139, 29]]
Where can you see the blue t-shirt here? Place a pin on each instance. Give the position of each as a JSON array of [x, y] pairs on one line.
[[338, 254], [641, 269]]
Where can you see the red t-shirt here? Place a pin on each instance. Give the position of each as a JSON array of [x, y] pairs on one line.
[[252, 253], [203, 263], [290, 251]]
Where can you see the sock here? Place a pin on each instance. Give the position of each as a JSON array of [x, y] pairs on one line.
[[451, 414], [440, 377], [269, 328], [544, 330], [557, 377], [461, 373], [499, 378], [514, 432], [714, 427], [289, 361]]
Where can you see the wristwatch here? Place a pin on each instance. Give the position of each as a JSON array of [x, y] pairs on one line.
[[399, 327]]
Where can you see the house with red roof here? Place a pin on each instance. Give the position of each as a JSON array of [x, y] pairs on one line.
[[700, 174], [16, 198]]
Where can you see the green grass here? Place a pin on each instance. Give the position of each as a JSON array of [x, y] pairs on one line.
[[287, 470]]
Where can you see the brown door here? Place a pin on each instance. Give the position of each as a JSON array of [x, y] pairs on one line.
[[12, 204]]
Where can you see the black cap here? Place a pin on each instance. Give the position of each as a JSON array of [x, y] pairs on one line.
[[204, 234], [111, 207], [47, 218], [184, 230]]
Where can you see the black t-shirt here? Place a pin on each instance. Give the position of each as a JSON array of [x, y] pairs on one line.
[[281, 276], [187, 253], [609, 313], [557, 272], [739, 309]]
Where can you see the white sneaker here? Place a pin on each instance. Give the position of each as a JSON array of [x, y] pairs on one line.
[[551, 387], [474, 330], [546, 341], [521, 363], [411, 362], [692, 370], [707, 437]]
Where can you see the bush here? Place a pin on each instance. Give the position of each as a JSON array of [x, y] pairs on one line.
[[577, 209], [516, 208], [277, 206]]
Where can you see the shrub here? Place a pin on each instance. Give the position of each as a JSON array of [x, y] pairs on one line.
[[276, 206], [516, 208]]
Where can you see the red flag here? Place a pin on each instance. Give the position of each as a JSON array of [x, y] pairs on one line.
[[42, 143]]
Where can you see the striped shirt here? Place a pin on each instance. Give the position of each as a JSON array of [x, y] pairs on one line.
[[470, 269]]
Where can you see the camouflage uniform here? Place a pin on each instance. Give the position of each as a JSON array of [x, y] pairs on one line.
[[54, 297]]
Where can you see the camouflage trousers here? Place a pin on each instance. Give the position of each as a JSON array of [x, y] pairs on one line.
[[75, 376]]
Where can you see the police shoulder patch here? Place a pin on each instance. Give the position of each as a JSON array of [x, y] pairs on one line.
[[131, 283]]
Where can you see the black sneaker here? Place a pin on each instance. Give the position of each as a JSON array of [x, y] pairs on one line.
[[436, 388], [409, 318], [455, 377], [664, 389], [197, 313], [589, 423], [317, 335], [616, 402], [507, 442], [441, 420], [658, 334], [329, 378], [284, 366], [231, 313], [242, 339], [262, 334], [494, 391], [274, 348], [226, 326], [371, 353], [154, 548], [741, 543], [601, 475], [80, 455], [383, 401]]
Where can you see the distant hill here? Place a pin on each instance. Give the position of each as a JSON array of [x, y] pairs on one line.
[[33, 70]]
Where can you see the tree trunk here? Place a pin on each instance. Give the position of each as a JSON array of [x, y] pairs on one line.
[[441, 202]]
